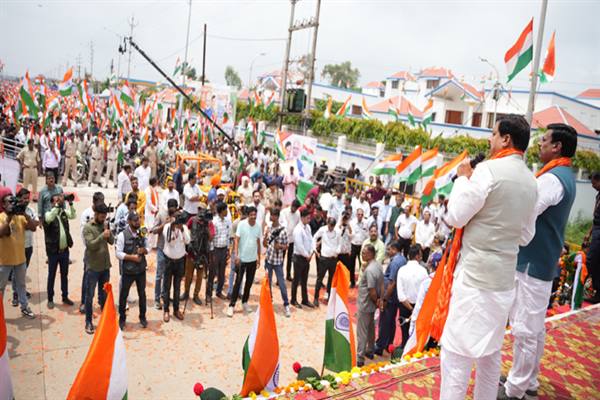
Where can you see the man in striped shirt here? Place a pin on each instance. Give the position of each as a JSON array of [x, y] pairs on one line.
[[221, 248]]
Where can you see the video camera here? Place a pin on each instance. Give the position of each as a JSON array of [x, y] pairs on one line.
[[69, 197], [16, 207]]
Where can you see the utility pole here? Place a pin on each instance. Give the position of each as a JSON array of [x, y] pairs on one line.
[[536, 63], [185, 66], [204, 56], [286, 62], [311, 72], [132, 25], [91, 59]]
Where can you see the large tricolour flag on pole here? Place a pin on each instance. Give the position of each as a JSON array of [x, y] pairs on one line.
[[127, 95], [103, 374], [429, 161], [388, 165], [260, 357], [345, 108], [549, 68], [410, 169], [65, 88], [521, 53], [27, 97], [366, 114], [6, 390], [340, 347]]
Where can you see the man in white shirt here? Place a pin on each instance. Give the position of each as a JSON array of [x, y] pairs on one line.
[[362, 203], [303, 251], [336, 207], [329, 240], [176, 236], [143, 173], [260, 209], [360, 233], [405, 227], [383, 217], [290, 217], [51, 160], [168, 194], [123, 182], [191, 196], [408, 282], [424, 234]]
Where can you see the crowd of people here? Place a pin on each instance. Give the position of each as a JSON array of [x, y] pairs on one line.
[[192, 227]]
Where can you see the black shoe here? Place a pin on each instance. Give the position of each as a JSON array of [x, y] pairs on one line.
[[295, 304], [184, 297], [379, 352], [122, 325], [370, 356], [289, 279], [221, 296], [15, 300], [143, 322], [50, 304], [89, 328], [593, 299], [503, 396], [82, 309], [307, 304], [360, 364], [197, 300], [352, 285], [67, 301], [28, 295], [228, 297]]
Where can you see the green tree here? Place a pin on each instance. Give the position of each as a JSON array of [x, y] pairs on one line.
[[232, 77], [341, 75]]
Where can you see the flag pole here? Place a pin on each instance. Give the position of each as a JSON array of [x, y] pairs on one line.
[[536, 63]]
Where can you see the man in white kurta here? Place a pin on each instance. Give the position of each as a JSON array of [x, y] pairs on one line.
[[492, 203]]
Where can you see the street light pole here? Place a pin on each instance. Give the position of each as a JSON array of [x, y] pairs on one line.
[[185, 66], [496, 89], [536, 63], [251, 66]]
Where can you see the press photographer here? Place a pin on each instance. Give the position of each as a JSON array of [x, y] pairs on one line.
[[220, 243], [175, 236], [202, 232], [131, 250], [13, 224], [97, 236], [58, 242], [162, 219]]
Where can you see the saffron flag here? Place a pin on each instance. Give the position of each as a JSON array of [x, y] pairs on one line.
[[366, 114], [65, 88], [327, 112], [6, 389], [260, 357], [441, 181], [427, 114], [345, 108], [388, 165], [103, 374], [340, 348], [521, 53], [410, 168], [547, 71]]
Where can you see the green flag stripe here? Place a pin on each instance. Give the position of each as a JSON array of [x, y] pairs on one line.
[[338, 356]]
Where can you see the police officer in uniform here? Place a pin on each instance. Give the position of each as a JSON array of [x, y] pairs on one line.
[[152, 156], [111, 163], [70, 161], [96, 163], [29, 158]]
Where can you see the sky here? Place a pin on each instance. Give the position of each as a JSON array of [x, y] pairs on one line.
[[379, 37]]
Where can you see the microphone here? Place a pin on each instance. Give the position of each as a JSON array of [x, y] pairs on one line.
[[474, 161]]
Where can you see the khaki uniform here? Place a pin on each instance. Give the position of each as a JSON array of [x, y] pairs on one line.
[[111, 163], [169, 157], [29, 161], [70, 161], [152, 156], [82, 146], [96, 164]]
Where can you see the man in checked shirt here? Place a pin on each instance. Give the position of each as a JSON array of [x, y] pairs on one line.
[[276, 242], [221, 249]]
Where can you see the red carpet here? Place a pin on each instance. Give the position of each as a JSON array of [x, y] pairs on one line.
[[570, 367]]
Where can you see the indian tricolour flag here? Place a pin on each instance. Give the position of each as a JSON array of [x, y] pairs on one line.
[[427, 113], [345, 108], [103, 374], [366, 114], [279, 147], [549, 68], [429, 161], [410, 168], [441, 181], [581, 273], [521, 53], [393, 110], [127, 95], [6, 389], [327, 112], [340, 348], [65, 88], [260, 357], [388, 165], [411, 115], [27, 97]]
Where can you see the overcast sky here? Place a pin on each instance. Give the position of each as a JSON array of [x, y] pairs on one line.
[[379, 37]]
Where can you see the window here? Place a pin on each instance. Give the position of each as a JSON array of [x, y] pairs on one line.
[[395, 84], [491, 121], [356, 110], [454, 117], [433, 83], [433, 114], [476, 120]]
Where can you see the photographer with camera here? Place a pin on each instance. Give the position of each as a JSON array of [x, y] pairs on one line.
[[131, 250], [23, 196], [58, 242], [45, 197], [86, 216], [202, 232], [14, 221], [97, 236], [176, 236], [276, 242], [162, 219]]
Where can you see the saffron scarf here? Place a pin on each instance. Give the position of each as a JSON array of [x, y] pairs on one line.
[[434, 311], [559, 162]]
